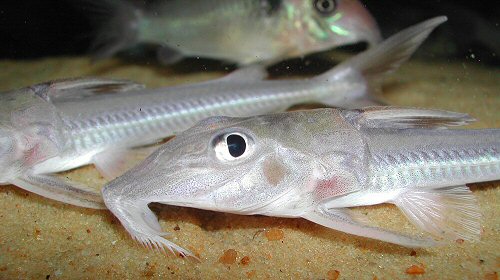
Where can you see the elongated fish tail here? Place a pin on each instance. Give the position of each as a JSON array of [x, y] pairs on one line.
[[118, 22], [356, 74]]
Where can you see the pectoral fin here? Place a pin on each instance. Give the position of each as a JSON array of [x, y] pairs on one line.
[[142, 224], [342, 220], [57, 189]]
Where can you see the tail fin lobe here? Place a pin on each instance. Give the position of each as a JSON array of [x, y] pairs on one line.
[[118, 27], [357, 73]]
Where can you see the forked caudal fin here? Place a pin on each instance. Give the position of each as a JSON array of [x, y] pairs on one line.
[[378, 61]]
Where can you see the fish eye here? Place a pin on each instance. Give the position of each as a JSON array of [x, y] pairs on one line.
[[325, 7], [231, 146], [236, 145]]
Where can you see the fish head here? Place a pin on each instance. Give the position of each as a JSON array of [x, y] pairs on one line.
[[30, 132], [9, 155], [258, 165], [324, 24]]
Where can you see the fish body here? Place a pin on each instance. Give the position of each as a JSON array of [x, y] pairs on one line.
[[244, 31], [316, 164], [59, 126]]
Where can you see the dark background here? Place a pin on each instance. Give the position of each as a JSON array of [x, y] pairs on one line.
[[39, 28]]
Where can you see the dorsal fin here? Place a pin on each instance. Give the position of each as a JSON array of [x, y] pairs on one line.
[[401, 118], [70, 89]]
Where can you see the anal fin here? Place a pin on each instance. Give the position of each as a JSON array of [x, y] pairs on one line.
[[448, 213], [341, 220]]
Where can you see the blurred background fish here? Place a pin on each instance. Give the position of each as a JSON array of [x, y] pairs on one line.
[[244, 31], [33, 29]]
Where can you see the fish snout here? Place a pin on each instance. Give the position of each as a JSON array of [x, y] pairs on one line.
[[358, 19]]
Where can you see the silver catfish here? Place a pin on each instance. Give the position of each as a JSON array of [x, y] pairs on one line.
[[316, 164], [243, 31], [58, 126]]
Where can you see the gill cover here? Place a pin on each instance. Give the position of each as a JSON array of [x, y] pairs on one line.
[[30, 131]]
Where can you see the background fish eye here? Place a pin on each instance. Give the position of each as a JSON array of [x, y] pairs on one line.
[[325, 7]]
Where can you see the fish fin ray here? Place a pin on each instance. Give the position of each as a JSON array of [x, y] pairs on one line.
[[342, 220], [448, 213], [401, 118], [61, 190], [142, 224], [78, 88]]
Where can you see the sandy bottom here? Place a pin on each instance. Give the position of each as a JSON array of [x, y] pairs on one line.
[[44, 239]]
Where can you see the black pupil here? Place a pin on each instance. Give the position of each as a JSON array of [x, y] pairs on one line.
[[236, 145]]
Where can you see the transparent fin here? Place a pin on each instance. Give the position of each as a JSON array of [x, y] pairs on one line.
[[142, 224], [113, 163], [341, 220], [448, 213], [57, 189], [117, 22], [360, 71], [388, 56], [401, 117]]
